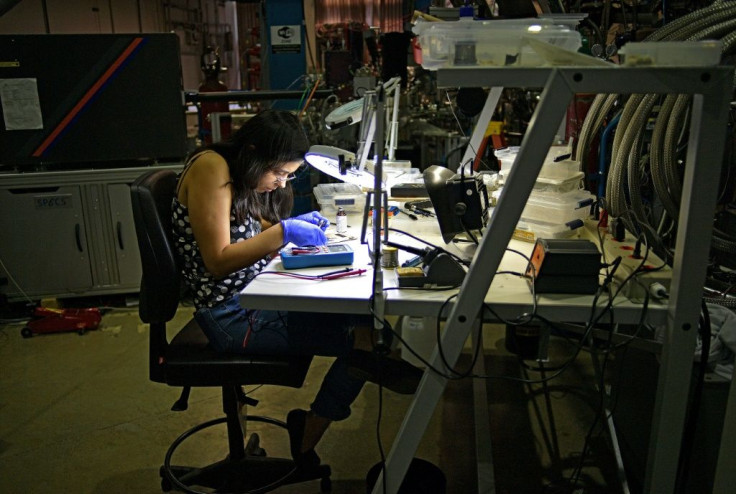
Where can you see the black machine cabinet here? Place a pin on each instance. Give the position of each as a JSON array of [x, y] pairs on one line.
[[77, 100]]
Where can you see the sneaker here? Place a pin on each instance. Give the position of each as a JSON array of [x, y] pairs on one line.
[[295, 423]]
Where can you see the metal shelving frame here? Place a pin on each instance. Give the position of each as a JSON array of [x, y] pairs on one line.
[[711, 88]]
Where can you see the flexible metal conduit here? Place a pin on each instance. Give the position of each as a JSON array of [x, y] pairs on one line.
[[679, 29], [667, 182], [716, 21]]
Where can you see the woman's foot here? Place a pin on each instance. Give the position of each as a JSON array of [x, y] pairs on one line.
[[296, 421], [389, 371]]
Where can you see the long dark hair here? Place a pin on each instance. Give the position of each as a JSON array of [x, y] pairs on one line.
[[264, 143]]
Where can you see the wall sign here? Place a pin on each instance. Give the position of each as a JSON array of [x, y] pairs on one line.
[[286, 39], [21, 104]]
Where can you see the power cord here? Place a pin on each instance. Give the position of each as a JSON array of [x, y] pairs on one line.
[[596, 315], [13, 280], [459, 259]]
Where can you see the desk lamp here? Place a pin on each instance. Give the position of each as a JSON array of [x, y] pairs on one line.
[[352, 167]]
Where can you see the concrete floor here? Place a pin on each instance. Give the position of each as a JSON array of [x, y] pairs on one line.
[[79, 415]]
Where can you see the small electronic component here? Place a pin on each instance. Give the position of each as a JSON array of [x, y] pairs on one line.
[[564, 266], [411, 277], [438, 269], [310, 256]]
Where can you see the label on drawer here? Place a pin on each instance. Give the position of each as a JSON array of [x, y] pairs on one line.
[[56, 201]]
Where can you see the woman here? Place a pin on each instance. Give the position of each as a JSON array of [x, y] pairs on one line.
[[230, 216]]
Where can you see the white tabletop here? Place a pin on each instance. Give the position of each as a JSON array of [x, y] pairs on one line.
[[509, 295]]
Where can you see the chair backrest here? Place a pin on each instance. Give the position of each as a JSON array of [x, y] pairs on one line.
[[187, 360], [151, 196]]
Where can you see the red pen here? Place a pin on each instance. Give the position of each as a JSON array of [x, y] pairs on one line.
[[342, 274]]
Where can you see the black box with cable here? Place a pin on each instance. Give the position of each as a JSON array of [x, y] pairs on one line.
[[564, 266], [465, 194]]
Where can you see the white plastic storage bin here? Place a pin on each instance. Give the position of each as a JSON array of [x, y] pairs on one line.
[[553, 168], [350, 197], [489, 43], [672, 53], [558, 208], [530, 230], [564, 179], [506, 157], [552, 186]]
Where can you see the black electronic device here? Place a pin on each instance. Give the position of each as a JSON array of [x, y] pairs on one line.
[[438, 268], [90, 100], [409, 190], [460, 202], [564, 266]]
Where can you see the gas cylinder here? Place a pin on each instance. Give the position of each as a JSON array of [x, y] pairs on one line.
[[211, 66]]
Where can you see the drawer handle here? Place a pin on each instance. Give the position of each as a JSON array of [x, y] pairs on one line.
[[77, 233], [120, 235]]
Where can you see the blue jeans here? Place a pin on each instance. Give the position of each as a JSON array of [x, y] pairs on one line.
[[231, 328]]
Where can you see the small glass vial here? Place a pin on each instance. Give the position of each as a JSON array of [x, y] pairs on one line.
[[341, 223]]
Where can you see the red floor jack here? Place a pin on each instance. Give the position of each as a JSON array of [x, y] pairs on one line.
[[47, 320]]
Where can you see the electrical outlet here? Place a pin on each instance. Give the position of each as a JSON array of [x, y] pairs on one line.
[[650, 278]]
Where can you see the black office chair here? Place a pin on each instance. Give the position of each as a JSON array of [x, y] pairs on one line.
[[187, 360]]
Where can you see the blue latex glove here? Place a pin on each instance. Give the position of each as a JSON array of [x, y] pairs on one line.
[[315, 218], [300, 232]]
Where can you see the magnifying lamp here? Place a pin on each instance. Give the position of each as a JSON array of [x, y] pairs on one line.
[[352, 112], [340, 164], [347, 114], [356, 168]]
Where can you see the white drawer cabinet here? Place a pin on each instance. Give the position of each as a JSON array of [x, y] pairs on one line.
[[68, 233]]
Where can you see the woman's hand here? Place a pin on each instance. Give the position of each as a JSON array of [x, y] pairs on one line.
[[314, 218], [300, 232]]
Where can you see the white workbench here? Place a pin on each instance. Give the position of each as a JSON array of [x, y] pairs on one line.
[[711, 88], [509, 295]]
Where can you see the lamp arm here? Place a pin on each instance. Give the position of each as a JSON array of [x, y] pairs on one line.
[[394, 126], [367, 129], [365, 145]]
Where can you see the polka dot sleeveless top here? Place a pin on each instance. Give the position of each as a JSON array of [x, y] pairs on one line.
[[207, 290]]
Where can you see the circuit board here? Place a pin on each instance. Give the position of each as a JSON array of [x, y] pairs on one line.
[[324, 255]]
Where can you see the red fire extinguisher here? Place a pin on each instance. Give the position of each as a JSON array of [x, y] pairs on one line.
[[210, 110]]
